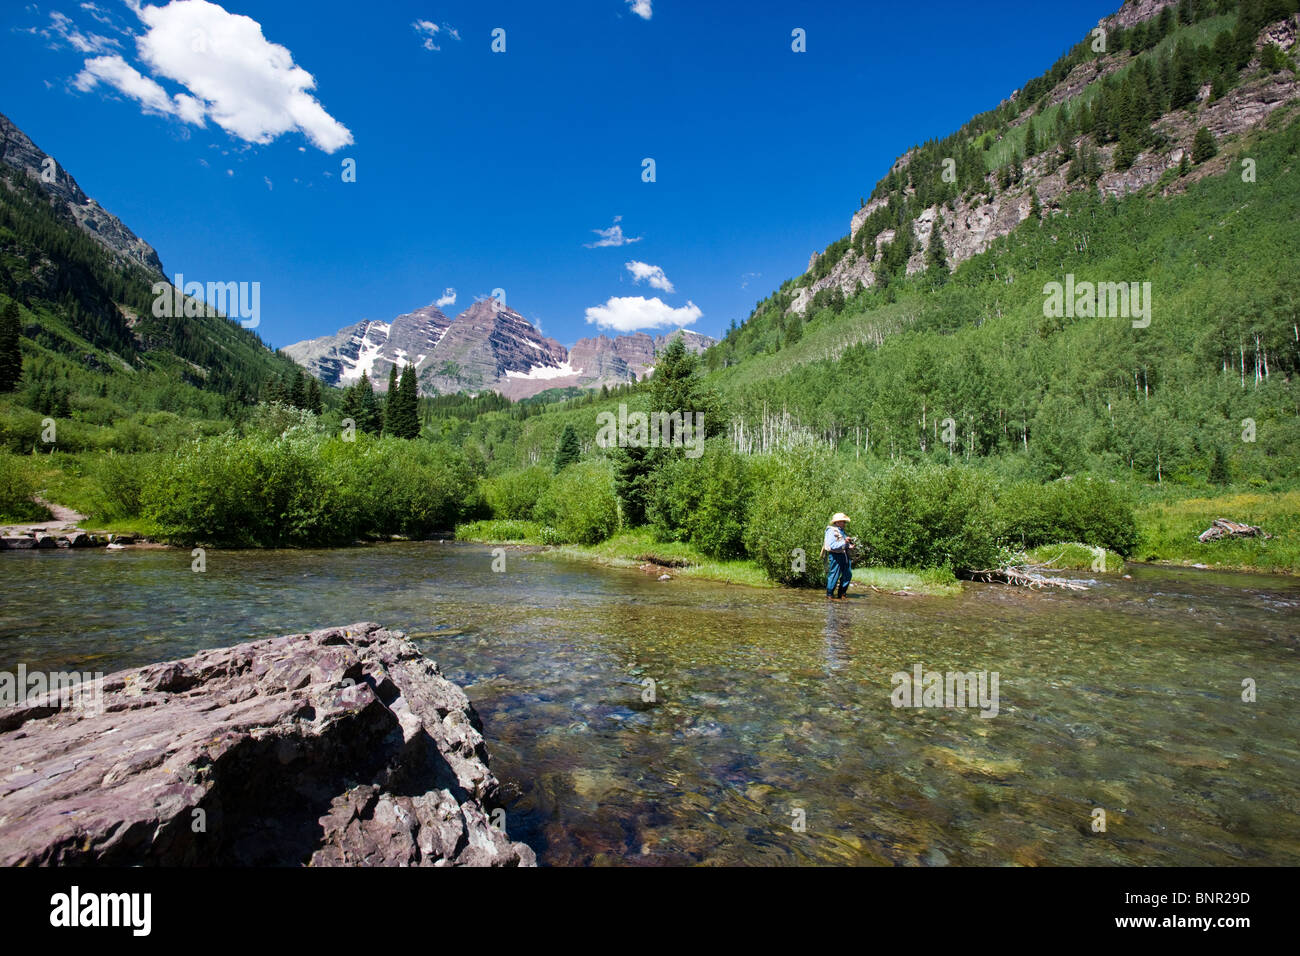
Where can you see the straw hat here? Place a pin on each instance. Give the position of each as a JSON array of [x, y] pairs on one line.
[[839, 516]]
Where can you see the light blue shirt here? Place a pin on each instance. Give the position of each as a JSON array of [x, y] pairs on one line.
[[835, 539]]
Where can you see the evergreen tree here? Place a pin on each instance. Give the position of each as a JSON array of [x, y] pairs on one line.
[[298, 391], [403, 414], [1126, 152], [351, 404], [370, 417], [936, 256], [1184, 167], [634, 469], [568, 451], [389, 398], [315, 403], [1272, 58], [671, 388], [1184, 88], [1164, 24], [1219, 468], [1204, 147], [1219, 86], [11, 355], [1031, 140]]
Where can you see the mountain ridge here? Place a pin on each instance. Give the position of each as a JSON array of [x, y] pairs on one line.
[[486, 347], [18, 151], [984, 206]]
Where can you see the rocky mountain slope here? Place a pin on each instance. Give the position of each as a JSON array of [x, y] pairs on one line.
[[488, 347], [992, 207], [19, 152]]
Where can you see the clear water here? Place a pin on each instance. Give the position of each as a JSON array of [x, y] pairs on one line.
[[1127, 697]]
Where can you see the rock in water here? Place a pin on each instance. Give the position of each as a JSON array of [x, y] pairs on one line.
[[342, 747]]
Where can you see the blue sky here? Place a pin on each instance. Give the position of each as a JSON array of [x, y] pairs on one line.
[[478, 170]]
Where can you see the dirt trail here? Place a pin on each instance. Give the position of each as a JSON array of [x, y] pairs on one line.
[[63, 517]]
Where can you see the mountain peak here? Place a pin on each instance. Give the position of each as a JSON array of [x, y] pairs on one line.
[[487, 347]]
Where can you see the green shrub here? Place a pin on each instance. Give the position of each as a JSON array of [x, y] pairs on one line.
[[1091, 511], [931, 516], [702, 500], [495, 530], [303, 488], [17, 489], [515, 494], [20, 429], [121, 481], [787, 514], [580, 504]]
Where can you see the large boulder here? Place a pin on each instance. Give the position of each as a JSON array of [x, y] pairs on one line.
[[341, 747]]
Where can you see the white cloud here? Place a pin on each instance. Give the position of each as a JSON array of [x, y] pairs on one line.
[[99, 13], [81, 42], [249, 86], [125, 78], [233, 75], [267, 180], [629, 313], [644, 272], [613, 236], [641, 8], [448, 298], [428, 31]]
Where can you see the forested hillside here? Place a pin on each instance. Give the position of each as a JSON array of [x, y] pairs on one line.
[[93, 352], [928, 356]]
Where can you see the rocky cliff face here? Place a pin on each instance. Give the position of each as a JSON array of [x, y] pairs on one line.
[[19, 152], [1136, 11], [342, 747], [488, 347], [626, 358], [372, 348], [970, 226], [488, 343]]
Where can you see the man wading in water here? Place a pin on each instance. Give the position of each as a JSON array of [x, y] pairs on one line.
[[837, 546]]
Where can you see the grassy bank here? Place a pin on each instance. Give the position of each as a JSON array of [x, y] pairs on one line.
[[1169, 527], [632, 549], [1075, 557]]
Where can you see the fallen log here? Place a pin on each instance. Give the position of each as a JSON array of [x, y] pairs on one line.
[[1223, 528], [1028, 576]]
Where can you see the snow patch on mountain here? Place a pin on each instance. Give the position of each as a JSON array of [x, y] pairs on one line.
[[371, 349], [563, 370]]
